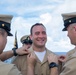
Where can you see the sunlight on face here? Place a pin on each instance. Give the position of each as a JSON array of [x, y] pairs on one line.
[[3, 40], [39, 36], [72, 33]]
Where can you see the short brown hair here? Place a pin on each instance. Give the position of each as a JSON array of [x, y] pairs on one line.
[[36, 24]]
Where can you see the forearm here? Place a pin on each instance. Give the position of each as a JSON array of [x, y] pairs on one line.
[[30, 70], [6, 55], [54, 71]]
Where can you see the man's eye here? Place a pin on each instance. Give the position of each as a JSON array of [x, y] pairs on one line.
[[43, 32], [37, 33]]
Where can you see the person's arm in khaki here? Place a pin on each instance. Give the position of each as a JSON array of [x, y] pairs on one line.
[[8, 54], [53, 58], [31, 60]]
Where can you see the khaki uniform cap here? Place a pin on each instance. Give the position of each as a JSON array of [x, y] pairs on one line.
[[68, 19], [5, 23], [24, 38]]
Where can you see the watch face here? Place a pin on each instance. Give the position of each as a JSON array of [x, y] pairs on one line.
[[53, 64]]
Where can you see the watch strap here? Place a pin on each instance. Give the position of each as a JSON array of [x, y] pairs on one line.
[[52, 65], [14, 51]]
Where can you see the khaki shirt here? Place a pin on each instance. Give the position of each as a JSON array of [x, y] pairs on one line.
[[8, 69], [69, 67], [41, 68]]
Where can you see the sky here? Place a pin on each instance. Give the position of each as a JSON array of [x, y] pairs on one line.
[[28, 12]]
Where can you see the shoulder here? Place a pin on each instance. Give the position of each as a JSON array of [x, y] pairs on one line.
[[14, 71], [8, 69], [19, 58], [70, 54]]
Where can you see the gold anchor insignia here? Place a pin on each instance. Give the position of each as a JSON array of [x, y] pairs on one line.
[[28, 38], [70, 21], [3, 25]]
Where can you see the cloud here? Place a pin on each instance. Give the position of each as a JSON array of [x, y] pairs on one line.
[[27, 12], [66, 7], [59, 46], [45, 18], [23, 7]]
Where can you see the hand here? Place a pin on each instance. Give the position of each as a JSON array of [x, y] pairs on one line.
[[31, 60], [22, 51], [62, 58], [52, 58]]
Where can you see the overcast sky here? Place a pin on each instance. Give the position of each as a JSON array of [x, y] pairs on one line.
[[28, 12]]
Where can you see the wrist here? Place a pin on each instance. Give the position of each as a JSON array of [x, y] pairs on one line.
[[53, 65], [54, 71], [14, 51]]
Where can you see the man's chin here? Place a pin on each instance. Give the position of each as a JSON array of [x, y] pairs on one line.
[[41, 46]]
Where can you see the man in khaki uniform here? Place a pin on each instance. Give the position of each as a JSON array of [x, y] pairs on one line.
[[6, 69], [5, 24], [39, 38], [69, 67], [70, 25], [26, 41]]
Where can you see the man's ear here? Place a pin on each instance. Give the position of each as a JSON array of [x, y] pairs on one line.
[[30, 37], [75, 27]]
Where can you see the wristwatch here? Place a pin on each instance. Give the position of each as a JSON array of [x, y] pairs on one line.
[[52, 65], [14, 51]]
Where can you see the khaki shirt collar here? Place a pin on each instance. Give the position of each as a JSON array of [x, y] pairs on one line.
[[45, 57]]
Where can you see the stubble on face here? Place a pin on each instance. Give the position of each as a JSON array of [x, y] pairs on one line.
[[3, 40], [72, 33], [39, 36]]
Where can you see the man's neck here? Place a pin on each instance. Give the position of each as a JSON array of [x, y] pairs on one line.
[[38, 49]]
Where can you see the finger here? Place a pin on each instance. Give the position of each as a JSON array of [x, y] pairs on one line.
[[29, 55]]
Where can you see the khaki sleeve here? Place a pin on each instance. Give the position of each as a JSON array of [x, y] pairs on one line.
[[14, 71], [69, 67], [17, 62]]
